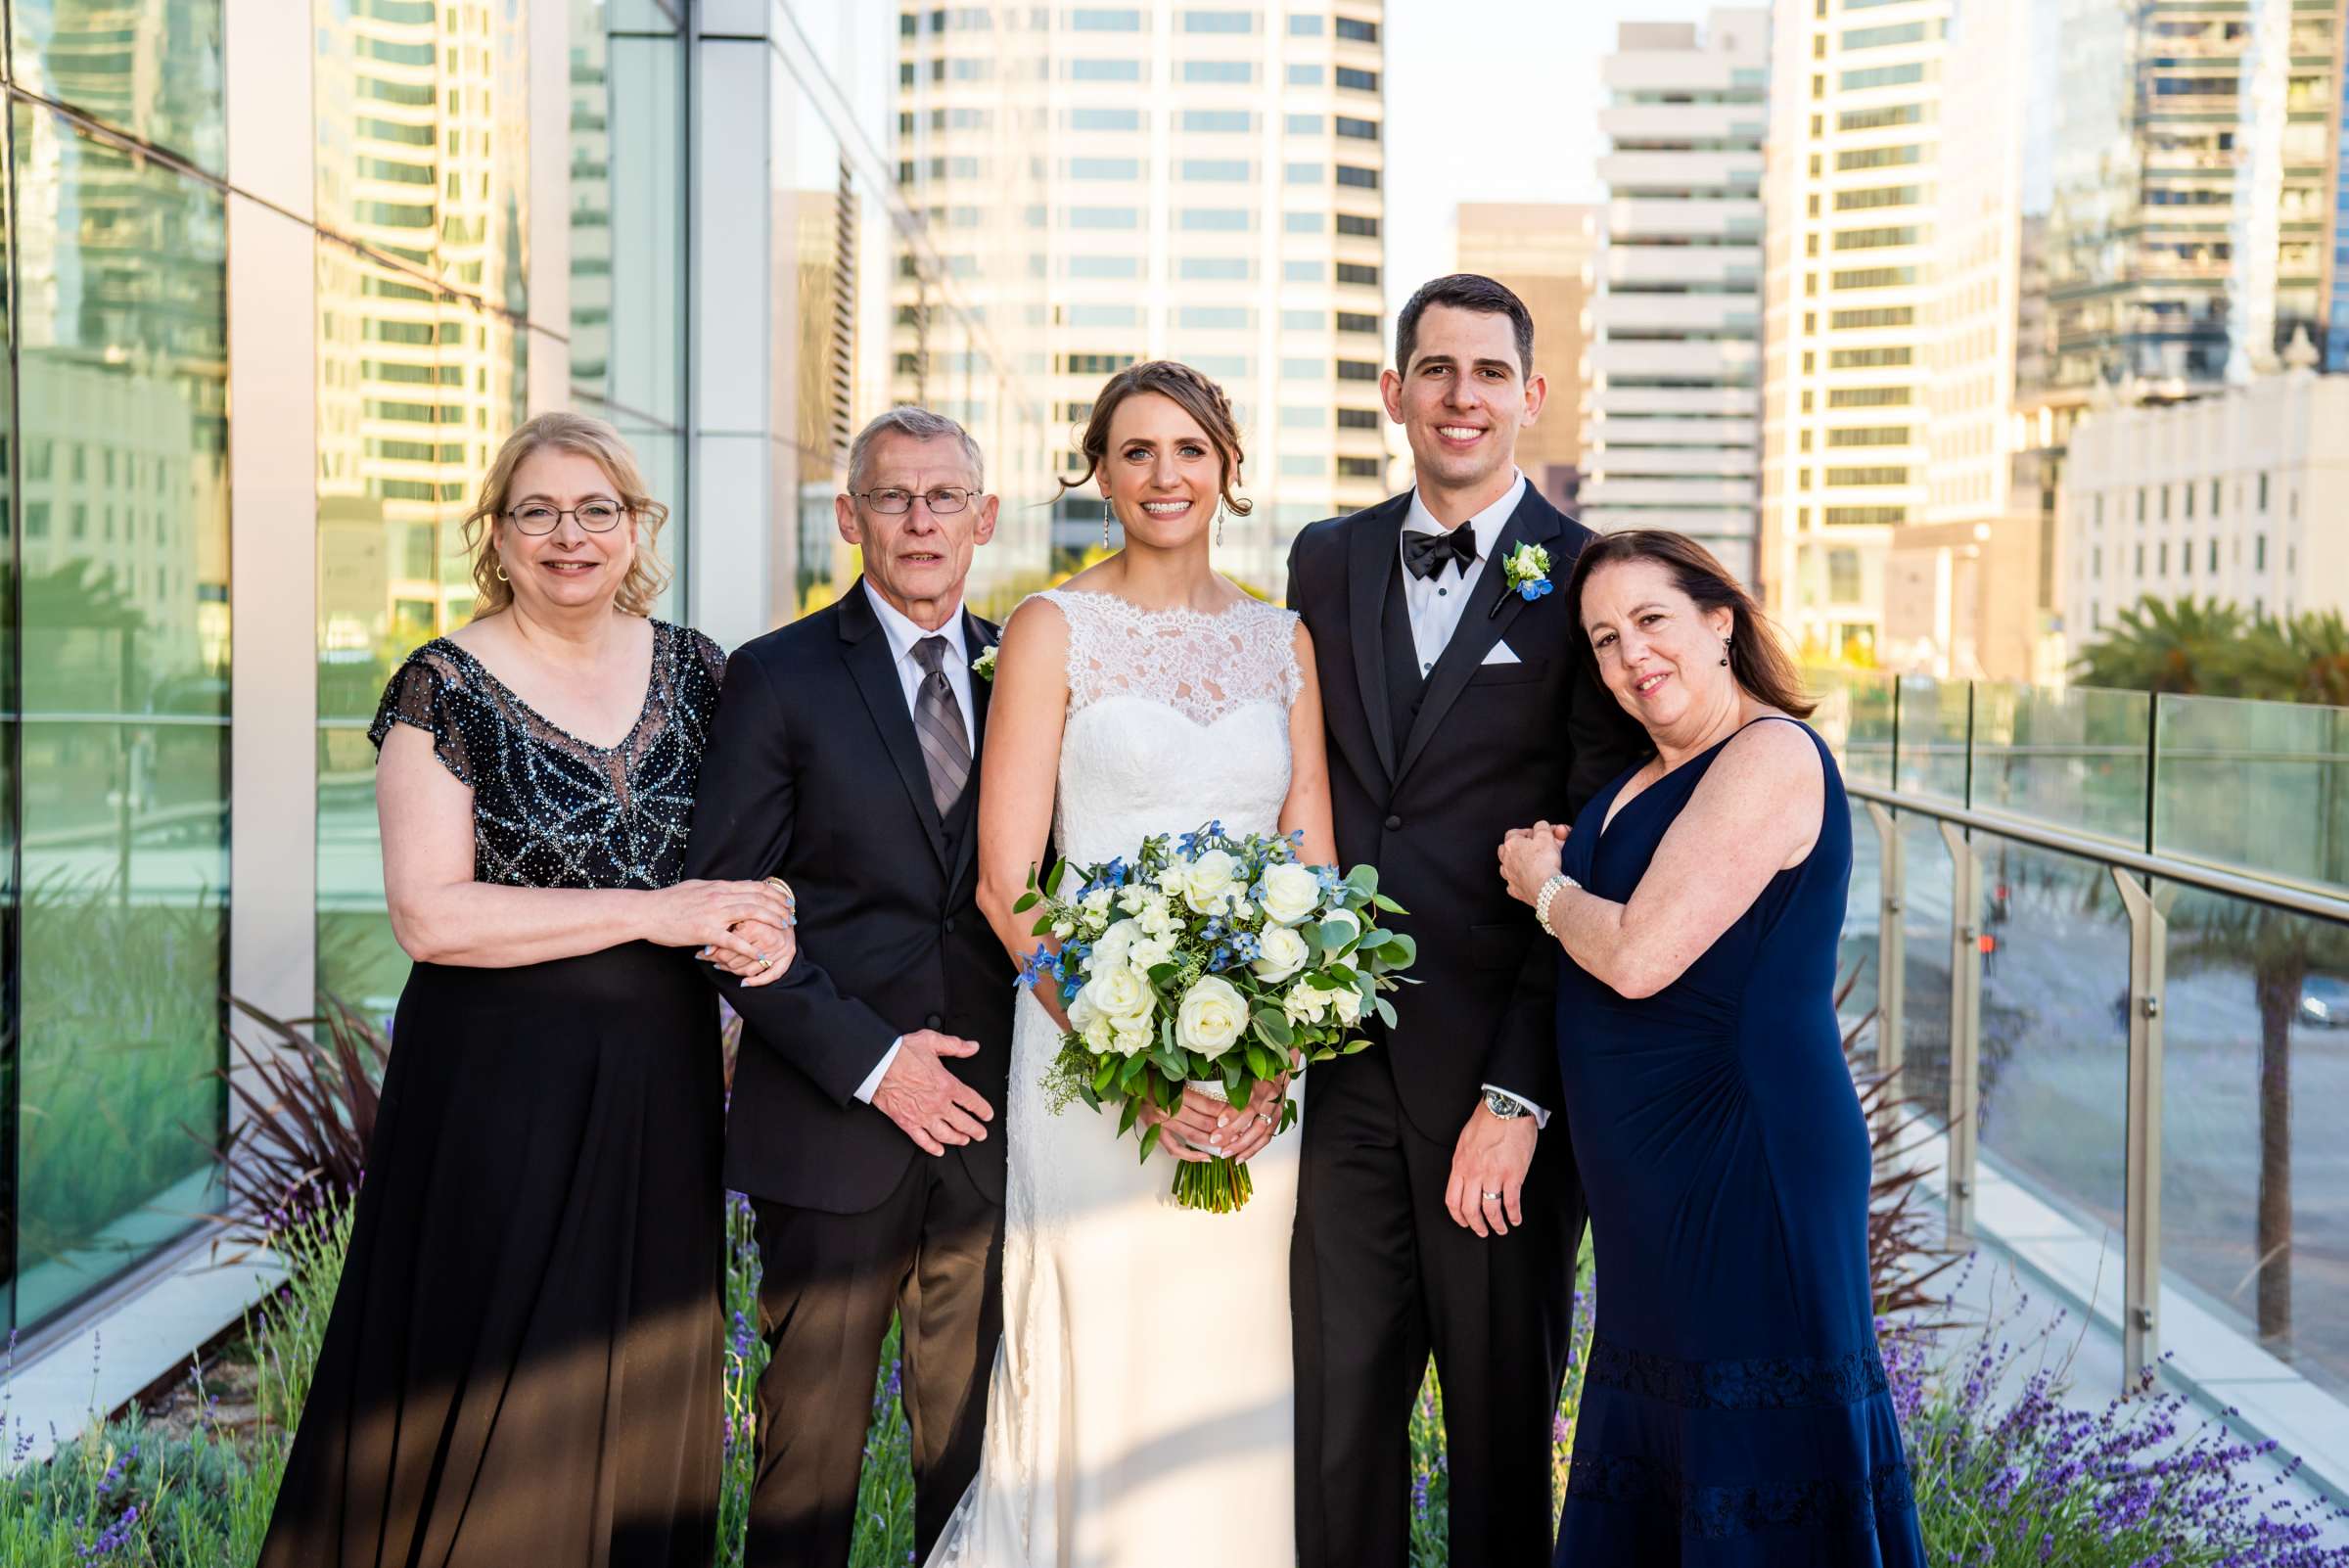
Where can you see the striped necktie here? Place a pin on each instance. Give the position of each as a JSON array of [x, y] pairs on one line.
[[938, 721]]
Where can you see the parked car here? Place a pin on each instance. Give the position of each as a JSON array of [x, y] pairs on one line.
[[2324, 1001]]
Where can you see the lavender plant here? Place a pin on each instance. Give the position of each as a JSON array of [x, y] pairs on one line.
[[2008, 1473]]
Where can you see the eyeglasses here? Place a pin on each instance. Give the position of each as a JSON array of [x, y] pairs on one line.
[[596, 517], [944, 501]]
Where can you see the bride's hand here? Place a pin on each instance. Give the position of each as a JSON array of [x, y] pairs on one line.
[[1236, 1132], [1168, 1140]]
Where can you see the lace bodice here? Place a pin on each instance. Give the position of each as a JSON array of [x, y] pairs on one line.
[[1175, 718]]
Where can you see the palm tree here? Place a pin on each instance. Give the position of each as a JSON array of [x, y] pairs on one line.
[[2318, 645], [2191, 646]]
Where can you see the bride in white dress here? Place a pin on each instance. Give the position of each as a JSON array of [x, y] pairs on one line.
[[1141, 1407]]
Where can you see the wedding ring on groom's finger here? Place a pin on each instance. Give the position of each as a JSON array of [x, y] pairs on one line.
[[1492, 1197]]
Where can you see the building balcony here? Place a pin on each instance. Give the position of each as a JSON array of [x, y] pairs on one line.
[[1616, 430], [1721, 361]]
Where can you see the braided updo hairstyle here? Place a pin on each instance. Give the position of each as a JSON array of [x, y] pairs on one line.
[[1198, 396]]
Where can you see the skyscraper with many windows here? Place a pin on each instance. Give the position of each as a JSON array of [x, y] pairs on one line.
[[1854, 158], [1113, 183], [1675, 400]]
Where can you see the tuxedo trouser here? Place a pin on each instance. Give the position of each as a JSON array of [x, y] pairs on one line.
[[1380, 1276], [933, 1253]]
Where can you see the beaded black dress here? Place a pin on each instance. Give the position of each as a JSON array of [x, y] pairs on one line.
[[523, 1365]]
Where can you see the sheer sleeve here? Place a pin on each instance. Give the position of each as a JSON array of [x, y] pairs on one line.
[[428, 692], [712, 657]]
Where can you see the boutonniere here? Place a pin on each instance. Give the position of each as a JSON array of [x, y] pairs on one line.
[[984, 667], [1527, 572]]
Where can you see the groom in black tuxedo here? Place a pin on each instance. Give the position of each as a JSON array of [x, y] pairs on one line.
[[844, 759], [1439, 1208]]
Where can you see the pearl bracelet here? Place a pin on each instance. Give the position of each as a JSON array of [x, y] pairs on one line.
[[1549, 890]]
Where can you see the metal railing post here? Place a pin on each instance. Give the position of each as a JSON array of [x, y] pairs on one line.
[[1966, 1025], [2141, 1258], [1892, 956]]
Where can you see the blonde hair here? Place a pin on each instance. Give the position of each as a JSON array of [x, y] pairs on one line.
[[590, 439]]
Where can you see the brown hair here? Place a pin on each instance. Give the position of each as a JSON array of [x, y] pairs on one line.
[[1758, 658], [590, 439], [1198, 396]]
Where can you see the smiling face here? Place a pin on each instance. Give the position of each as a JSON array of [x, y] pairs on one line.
[[1462, 399], [916, 557], [1162, 474], [570, 568], [1658, 651]]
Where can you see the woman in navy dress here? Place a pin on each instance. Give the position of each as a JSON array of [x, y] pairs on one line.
[[1734, 1412]]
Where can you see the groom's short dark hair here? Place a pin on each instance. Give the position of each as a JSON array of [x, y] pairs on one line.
[[1466, 291]]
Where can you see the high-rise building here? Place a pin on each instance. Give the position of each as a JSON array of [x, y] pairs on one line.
[[1854, 160], [1673, 432], [2242, 496], [1106, 184], [1542, 251]]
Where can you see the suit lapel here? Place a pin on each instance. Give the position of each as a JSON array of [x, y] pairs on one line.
[[1373, 556], [1535, 522], [865, 649], [976, 634]]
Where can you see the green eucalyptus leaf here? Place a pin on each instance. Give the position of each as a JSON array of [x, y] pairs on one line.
[[1386, 1012]]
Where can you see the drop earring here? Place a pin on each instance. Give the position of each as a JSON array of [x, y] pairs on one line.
[[1218, 530], [1104, 525], [1724, 650]]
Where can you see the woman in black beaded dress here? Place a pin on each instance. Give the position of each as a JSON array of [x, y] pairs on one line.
[[525, 1361]]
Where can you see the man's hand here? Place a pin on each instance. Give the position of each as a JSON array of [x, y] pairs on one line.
[[1487, 1172], [931, 1105]]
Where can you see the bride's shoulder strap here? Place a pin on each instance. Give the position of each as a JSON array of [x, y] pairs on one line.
[[1276, 636], [1088, 617]]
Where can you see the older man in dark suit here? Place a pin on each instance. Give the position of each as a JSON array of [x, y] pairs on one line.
[[844, 761]]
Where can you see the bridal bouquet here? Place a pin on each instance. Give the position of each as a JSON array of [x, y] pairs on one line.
[[1211, 958]]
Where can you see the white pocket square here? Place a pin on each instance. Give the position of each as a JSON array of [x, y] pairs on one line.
[[1501, 653]]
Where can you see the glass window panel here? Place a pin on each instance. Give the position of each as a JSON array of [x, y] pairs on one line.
[[148, 68], [2073, 756], [1925, 931], [2254, 1190], [1932, 737], [2264, 786], [121, 353], [2054, 1068]]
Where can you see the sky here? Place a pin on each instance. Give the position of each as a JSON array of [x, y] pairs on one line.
[[1491, 101]]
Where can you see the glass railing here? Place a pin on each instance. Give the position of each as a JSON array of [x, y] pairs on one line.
[[2109, 933]]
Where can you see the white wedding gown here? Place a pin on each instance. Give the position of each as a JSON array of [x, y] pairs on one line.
[[1141, 1410]]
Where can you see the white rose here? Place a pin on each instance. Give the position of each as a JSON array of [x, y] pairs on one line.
[[1120, 992], [1208, 883], [1306, 1003], [1291, 891], [1130, 1038], [1173, 877], [1082, 1012], [1100, 1033], [1346, 920], [1111, 947], [1158, 919], [1097, 901], [1211, 1015], [1282, 954], [1132, 898], [1347, 1004], [1148, 952]]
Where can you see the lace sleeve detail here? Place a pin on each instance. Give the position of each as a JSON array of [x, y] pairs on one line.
[[429, 693], [1203, 665]]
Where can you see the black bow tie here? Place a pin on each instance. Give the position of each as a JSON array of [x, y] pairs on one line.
[[1426, 553]]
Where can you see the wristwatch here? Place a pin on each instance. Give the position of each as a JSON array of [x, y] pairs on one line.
[[1504, 1107]]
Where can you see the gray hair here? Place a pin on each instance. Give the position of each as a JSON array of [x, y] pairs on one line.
[[922, 426]]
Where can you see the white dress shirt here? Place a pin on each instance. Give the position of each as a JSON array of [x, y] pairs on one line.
[[902, 634], [1435, 604]]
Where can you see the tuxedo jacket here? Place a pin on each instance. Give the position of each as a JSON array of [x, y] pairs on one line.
[[812, 774], [1427, 775]]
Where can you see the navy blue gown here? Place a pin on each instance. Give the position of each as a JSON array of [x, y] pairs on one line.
[[1734, 1412]]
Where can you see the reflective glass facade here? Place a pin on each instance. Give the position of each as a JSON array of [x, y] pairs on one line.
[[116, 662], [428, 218]]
